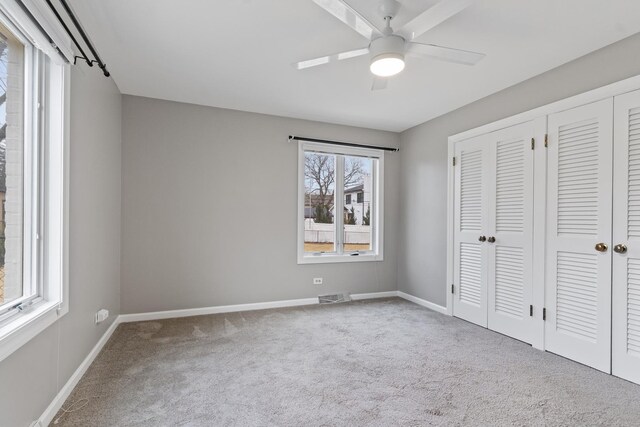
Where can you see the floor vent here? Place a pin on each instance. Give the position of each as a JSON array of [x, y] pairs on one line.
[[333, 298]]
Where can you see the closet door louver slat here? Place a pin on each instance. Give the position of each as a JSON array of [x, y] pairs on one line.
[[577, 296], [509, 281], [633, 309], [578, 199], [471, 191], [471, 274], [510, 183], [633, 180]]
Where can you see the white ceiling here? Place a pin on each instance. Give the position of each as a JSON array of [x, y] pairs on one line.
[[238, 54]]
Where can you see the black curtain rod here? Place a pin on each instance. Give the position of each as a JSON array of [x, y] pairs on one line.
[[84, 36], [344, 144]]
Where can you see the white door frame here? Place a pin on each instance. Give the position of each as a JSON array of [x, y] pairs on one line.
[[540, 113]]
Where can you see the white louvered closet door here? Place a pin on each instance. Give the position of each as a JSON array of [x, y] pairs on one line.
[[579, 215], [626, 231], [510, 256], [470, 291]]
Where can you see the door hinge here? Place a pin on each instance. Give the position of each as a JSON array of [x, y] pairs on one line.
[[544, 314], [533, 143], [546, 140], [454, 161], [453, 289], [531, 310]]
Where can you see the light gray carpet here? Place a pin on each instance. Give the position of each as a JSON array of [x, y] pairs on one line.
[[376, 363]]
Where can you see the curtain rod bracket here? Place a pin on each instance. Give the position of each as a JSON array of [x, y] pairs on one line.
[[82, 33]]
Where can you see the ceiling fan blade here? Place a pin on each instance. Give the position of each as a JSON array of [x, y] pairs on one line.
[[444, 53], [432, 17], [331, 58], [341, 10], [379, 83]]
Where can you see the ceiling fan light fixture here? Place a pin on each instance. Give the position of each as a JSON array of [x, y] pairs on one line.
[[387, 55], [387, 64]]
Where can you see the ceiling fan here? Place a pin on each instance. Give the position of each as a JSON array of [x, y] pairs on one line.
[[388, 47]]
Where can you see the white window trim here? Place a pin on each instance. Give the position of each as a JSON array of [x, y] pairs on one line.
[[20, 328], [377, 235]]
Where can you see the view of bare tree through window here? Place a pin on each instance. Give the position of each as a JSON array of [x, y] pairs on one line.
[[320, 204]]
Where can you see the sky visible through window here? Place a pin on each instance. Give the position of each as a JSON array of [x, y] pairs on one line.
[[311, 185]]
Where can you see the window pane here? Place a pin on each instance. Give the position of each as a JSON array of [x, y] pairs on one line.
[[358, 191], [11, 162], [319, 202]]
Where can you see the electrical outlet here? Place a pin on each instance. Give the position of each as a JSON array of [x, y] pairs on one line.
[[102, 315], [317, 280]]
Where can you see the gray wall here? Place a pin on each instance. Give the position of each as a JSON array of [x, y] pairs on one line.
[[196, 180], [423, 180], [32, 376]]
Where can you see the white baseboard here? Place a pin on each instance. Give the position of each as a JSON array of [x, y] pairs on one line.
[[171, 314], [423, 302], [65, 391], [373, 295]]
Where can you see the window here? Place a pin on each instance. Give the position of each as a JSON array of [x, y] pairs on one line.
[[32, 187], [11, 153], [331, 228]]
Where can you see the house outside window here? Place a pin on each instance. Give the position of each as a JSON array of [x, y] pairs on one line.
[[340, 204]]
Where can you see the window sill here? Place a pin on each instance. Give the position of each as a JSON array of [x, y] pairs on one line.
[[21, 328], [332, 258]]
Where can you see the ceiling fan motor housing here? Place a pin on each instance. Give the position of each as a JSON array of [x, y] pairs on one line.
[[389, 8], [389, 45]]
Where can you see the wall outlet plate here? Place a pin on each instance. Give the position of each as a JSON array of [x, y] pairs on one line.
[[102, 315], [317, 280]]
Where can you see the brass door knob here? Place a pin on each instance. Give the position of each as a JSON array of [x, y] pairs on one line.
[[620, 248], [482, 239], [602, 247], [491, 239]]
